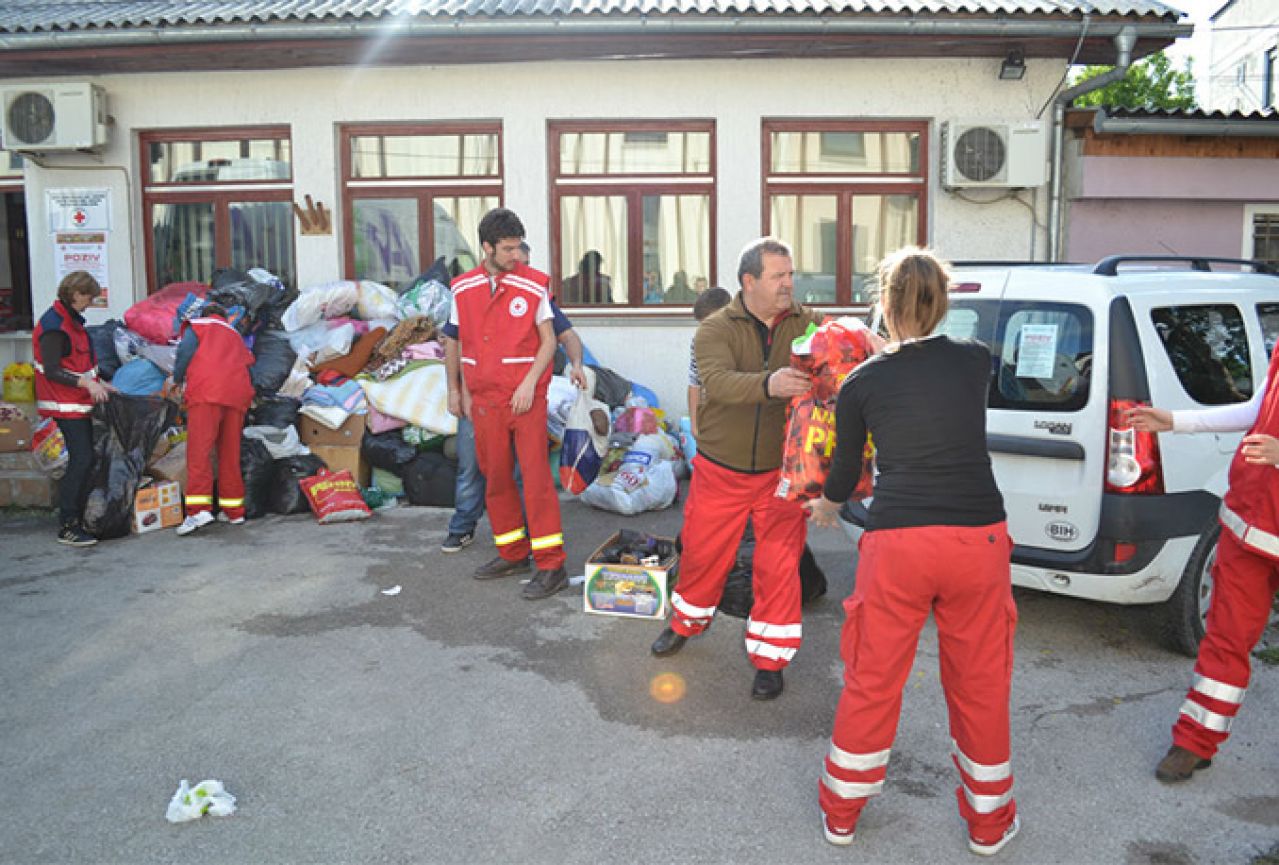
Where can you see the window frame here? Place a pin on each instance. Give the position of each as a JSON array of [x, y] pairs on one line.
[[633, 187], [219, 193], [1248, 248], [422, 189], [844, 186]]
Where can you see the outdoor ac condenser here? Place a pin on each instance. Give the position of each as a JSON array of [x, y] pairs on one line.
[[987, 153], [47, 118]]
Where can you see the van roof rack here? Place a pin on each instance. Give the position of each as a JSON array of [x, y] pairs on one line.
[[1109, 266], [1016, 263]]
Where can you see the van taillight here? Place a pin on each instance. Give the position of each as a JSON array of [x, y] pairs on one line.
[[1132, 457]]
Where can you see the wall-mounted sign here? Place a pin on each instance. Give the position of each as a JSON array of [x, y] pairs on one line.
[[88, 252], [78, 209]]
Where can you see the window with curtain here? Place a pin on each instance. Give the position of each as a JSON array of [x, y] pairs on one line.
[[414, 195], [632, 212], [217, 198], [843, 194]]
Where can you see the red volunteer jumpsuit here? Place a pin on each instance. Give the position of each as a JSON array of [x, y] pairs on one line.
[[1245, 579], [499, 339], [61, 400], [218, 394]]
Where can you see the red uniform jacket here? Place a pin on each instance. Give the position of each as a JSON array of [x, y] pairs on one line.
[[1254, 489], [64, 400], [498, 333], [219, 370]]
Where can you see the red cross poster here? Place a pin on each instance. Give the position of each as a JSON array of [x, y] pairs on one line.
[[88, 251], [78, 209]]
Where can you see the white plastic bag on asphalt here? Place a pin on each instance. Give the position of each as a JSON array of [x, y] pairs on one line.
[[192, 803], [640, 483]]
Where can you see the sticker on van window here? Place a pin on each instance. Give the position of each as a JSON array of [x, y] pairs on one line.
[[1036, 350]]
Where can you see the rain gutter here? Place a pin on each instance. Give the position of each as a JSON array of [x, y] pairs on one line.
[[534, 26], [1222, 127], [1124, 41]]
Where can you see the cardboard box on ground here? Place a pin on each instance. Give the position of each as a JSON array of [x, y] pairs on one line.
[[158, 506], [635, 591], [339, 448], [15, 435]]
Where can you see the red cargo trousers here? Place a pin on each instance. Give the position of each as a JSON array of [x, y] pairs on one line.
[[500, 438], [211, 426], [1244, 586], [961, 574], [720, 501]]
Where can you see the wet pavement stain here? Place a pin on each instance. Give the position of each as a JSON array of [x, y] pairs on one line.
[[1098, 707], [1262, 810], [1158, 853]]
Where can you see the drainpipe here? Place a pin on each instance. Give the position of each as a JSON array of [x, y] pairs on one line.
[[1124, 41]]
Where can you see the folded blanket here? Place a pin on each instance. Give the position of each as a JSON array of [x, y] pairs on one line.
[[353, 361], [418, 395]]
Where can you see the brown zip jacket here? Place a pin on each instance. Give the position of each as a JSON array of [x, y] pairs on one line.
[[739, 426]]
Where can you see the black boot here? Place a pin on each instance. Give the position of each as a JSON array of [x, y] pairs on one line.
[[668, 643], [768, 685]]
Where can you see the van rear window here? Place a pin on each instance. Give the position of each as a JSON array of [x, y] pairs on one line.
[[1041, 353], [1208, 347]]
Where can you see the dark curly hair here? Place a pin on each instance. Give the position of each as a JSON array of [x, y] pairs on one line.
[[500, 223]]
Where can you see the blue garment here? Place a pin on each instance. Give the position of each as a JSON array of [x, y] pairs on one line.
[[186, 350], [139, 377]]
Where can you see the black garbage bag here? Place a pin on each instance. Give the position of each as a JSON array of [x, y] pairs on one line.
[[258, 469], [387, 451], [274, 410], [610, 388], [273, 362], [430, 479], [286, 494], [739, 596], [438, 272], [230, 287], [102, 336], [271, 315], [126, 430]]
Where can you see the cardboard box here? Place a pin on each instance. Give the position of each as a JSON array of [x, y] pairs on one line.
[[636, 591], [338, 457], [158, 506], [312, 432], [15, 435], [172, 466]]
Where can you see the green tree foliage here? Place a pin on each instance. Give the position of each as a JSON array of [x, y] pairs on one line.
[[1150, 83]]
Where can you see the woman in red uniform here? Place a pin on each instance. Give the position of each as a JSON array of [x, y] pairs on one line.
[[214, 363], [936, 542], [67, 387]]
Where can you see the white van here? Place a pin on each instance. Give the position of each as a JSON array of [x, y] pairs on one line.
[[1095, 509]]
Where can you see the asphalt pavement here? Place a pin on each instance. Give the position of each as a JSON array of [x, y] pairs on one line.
[[455, 722]]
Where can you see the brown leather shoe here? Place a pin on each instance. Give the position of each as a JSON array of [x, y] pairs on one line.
[[545, 583], [1179, 764], [500, 567]]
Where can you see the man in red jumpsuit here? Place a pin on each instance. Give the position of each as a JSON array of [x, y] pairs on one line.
[[504, 347], [743, 358], [214, 363], [1245, 575]]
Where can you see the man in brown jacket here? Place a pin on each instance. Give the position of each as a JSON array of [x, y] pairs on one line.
[[743, 357]]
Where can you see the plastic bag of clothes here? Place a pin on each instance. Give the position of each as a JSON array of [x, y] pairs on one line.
[[319, 302], [287, 496], [610, 387], [376, 301], [131, 428], [258, 470], [152, 318], [583, 448], [273, 361], [739, 596], [280, 412], [428, 295], [282, 442], [102, 336], [431, 480], [139, 377], [231, 288], [828, 353], [632, 481], [388, 451]]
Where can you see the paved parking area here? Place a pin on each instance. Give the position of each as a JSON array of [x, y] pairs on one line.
[[456, 722]]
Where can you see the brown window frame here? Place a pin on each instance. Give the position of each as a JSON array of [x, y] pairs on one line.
[[202, 192], [633, 187], [844, 186], [424, 189]]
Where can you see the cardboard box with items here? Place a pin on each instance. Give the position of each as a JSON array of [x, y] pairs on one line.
[[158, 506], [630, 575]]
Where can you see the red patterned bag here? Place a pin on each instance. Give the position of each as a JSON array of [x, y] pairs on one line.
[[828, 353], [334, 497]]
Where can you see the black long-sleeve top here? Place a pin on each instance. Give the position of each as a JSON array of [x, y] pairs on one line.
[[55, 347], [924, 404]]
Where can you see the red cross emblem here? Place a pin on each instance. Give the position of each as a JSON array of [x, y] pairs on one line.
[[79, 217]]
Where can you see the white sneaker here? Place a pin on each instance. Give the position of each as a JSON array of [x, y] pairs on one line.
[[195, 521], [223, 518], [991, 849], [839, 839]]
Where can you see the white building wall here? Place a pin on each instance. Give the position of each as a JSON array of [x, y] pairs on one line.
[[737, 94], [1241, 36]]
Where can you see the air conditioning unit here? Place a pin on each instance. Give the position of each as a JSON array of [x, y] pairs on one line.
[[994, 154], [45, 118]]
